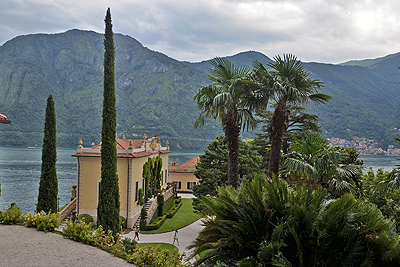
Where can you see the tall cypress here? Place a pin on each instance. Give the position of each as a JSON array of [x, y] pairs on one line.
[[48, 187], [108, 207]]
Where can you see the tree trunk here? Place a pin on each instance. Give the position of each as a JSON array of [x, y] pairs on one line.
[[232, 132], [277, 128]]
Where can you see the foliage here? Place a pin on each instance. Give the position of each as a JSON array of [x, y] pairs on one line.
[[160, 208], [87, 218], [172, 212], [109, 202], [361, 105], [227, 100], [152, 175], [286, 83], [183, 217], [271, 224], [313, 162], [299, 123], [386, 199], [48, 186], [143, 217], [156, 257], [13, 215], [129, 244], [211, 171], [140, 197], [43, 221], [156, 223]]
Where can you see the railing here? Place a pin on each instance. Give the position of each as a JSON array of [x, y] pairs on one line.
[[154, 205], [68, 209], [183, 169]]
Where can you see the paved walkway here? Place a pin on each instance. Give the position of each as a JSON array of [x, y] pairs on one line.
[[185, 237], [22, 246]]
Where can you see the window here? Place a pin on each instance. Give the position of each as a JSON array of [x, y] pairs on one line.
[[178, 184], [190, 185], [166, 176], [136, 191], [162, 175]]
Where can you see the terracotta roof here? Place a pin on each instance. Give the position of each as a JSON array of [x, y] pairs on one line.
[[187, 166], [190, 163], [119, 155], [124, 144]]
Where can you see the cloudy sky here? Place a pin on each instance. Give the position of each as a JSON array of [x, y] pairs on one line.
[[330, 31]]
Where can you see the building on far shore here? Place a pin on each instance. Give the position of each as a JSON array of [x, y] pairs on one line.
[[132, 155], [183, 174], [3, 119]]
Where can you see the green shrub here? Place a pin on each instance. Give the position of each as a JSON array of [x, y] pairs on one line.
[[174, 210], [129, 245], [140, 197], [48, 222], [160, 201], [178, 200], [42, 221], [86, 218], [156, 257], [156, 224], [170, 203], [79, 231], [12, 215]]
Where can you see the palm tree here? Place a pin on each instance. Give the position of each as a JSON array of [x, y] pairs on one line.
[[224, 100], [265, 222], [312, 161], [286, 82], [393, 180]]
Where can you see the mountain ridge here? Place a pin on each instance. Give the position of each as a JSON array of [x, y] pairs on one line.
[[154, 92]]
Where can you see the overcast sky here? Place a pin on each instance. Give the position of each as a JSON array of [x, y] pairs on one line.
[[330, 31]]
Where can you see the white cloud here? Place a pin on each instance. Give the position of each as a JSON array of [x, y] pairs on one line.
[[314, 30]]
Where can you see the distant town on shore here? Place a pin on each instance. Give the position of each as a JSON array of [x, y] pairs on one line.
[[364, 146]]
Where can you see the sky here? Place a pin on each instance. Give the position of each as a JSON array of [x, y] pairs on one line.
[[328, 31]]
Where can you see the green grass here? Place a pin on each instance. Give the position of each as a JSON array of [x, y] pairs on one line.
[[170, 247], [182, 218]]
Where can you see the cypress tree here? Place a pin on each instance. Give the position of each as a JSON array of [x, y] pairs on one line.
[[48, 187], [108, 207]]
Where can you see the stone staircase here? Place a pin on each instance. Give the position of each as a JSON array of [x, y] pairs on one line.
[[147, 207]]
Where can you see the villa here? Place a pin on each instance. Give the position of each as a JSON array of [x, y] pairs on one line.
[[132, 155], [183, 174]]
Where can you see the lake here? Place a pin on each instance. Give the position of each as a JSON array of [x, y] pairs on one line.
[[20, 172]]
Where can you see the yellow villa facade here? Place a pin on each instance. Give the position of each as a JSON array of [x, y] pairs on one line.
[[183, 174], [132, 155]]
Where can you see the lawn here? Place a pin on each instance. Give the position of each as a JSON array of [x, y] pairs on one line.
[[182, 218], [170, 247]]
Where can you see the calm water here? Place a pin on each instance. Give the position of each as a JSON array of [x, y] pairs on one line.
[[20, 172]]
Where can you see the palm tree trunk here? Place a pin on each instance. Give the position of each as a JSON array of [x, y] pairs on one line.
[[277, 128], [232, 132]]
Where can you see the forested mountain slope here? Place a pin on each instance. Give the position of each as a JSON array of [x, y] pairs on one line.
[[154, 92]]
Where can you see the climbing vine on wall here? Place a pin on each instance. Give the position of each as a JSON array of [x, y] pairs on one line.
[[152, 175]]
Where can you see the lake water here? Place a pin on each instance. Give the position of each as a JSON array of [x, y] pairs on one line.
[[20, 172]]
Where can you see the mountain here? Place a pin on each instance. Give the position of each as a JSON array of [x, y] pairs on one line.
[[154, 92]]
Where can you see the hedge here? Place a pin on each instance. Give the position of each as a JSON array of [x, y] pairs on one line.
[[156, 224], [174, 210], [85, 217]]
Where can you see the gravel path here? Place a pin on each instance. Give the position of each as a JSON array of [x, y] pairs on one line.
[[22, 246]]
